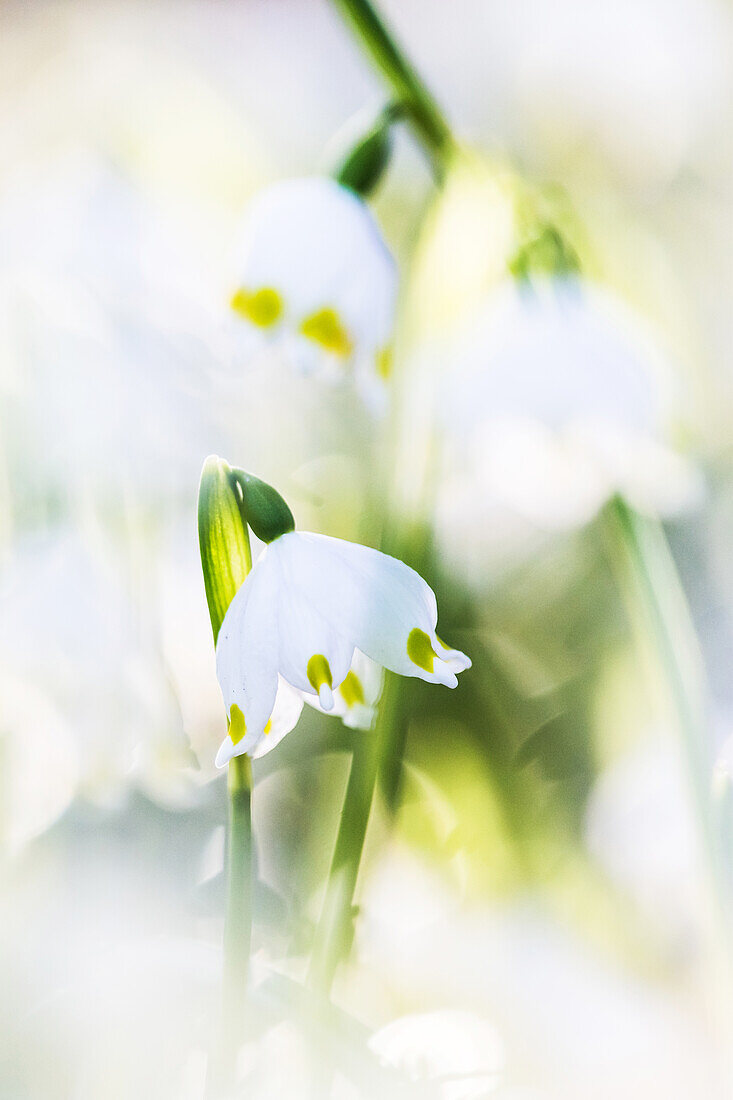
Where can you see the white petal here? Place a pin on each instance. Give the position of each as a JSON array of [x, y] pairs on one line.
[[285, 715], [355, 713], [325, 697], [374, 599], [456, 661], [247, 649], [304, 632]]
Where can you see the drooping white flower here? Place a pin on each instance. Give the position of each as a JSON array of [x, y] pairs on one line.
[[314, 276], [300, 626], [558, 401]]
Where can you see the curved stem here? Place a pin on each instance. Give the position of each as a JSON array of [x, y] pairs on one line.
[[422, 111]]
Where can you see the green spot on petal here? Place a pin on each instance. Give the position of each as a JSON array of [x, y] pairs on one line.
[[325, 328], [237, 725], [318, 672], [351, 690], [261, 307], [420, 649], [384, 363]]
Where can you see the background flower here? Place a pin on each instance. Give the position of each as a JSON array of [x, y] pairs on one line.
[[557, 400], [314, 276]]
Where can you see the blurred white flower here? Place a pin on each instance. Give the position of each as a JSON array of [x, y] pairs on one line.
[[558, 400], [70, 624], [315, 277], [132, 1012], [296, 627], [640, 827], [32, 729], [278, 1062], [107, 335], [574, 1019], [456, 1050]]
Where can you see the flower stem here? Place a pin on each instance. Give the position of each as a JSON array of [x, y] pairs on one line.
[[334, 931], [423, 113], [651, 576], [237, 925]]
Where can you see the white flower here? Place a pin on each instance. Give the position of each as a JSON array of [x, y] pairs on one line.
[[558, 401], [458, 1053], [315, 277], [73, 627], [302, 622], [640, 829]]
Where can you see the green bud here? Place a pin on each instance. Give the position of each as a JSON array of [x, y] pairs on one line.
[[362, 168], [263, 508], [226, 558]]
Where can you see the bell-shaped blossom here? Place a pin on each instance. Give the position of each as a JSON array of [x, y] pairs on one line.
[[300, 626], [559, 400], [314, 278]]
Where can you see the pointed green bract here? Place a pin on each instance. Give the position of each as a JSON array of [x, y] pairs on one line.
[[226, 558], [363, 166], [263, 508]]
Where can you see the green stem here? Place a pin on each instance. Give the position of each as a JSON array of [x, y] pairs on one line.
[[423, 113], [334, 930], [652, 574], [237, 925], [226, 559]]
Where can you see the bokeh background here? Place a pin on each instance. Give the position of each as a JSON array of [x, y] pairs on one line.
[[535, 919]]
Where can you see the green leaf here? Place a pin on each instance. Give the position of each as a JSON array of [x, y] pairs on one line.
[[226, 558]]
